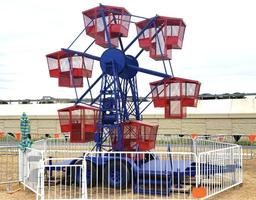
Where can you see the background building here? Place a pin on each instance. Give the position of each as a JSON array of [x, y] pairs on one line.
[[213, 115]]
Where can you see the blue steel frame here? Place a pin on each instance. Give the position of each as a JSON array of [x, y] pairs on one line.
[[113, 102]]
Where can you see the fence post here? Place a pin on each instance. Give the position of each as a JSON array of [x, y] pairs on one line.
[[198, 160], [241, 164], [194, 146], [84, 183], [24, 167], [40, 185], [45, 145], [21, 166]]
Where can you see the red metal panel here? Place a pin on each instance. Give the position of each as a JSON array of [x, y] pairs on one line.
[[66, 80], [76, 134], [80, 122]]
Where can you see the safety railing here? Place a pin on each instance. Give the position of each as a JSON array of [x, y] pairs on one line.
[[179, 168], [30, 166], [224, 169]]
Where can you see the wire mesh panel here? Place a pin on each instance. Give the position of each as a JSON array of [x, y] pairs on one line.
[[79, 121], [137, 135], [117, 20]]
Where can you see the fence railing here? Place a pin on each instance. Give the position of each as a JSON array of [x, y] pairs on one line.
[[7, 140], [225, 169], [83, 174], [248, 145], [30, 166], [56, 169], [63, 180]]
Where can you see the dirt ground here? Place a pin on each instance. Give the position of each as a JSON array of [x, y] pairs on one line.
[[246, 191]]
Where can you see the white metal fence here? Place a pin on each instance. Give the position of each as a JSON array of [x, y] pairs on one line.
[[249, 147], [8, 140], [172, 171], [225, 169], [63, 180], [31, 171]]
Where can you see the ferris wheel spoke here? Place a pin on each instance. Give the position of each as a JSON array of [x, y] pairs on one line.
[[148, 71], [159, 46], [104, 91], [138, 54], [76, 38], [121, 44], [170, 64], [89, 89], [81, 54]]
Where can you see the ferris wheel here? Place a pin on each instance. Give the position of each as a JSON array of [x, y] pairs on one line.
[[113, 119]]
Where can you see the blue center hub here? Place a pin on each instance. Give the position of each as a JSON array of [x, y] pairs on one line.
[[114, 58]]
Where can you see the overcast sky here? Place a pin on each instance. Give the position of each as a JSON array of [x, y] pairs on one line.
[[219, 47]]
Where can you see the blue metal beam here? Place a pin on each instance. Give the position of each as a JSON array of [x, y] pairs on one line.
[[170, 64], [129, 14], [148, 71], [80, 34], [81, 54], [102, 13], [159, 46], [76, 38], [139, 53], [88, 90], [95, 99], [145, 98], [89, 46], [146, 107]]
